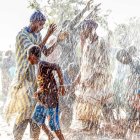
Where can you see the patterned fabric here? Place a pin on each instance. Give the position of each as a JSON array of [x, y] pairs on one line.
[[138, 91], [37, 16], [24, 84], [46, 81], [41, 113]]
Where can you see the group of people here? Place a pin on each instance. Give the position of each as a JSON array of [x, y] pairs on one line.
[[32, 85], [34, 93], [7, 66]]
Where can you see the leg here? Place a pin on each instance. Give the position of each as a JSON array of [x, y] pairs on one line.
[[59, 135], [132, 118], [53, 119], [38, 119], [90, 125], [34, 130], [19, 129], [47, 131]]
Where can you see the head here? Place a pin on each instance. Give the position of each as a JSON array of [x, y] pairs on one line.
[[34, 54], [132, 50], [37, 20], [72, 70], [88, 28], [8, 53]]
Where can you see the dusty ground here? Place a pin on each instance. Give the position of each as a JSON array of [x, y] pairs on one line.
[[6, 133]]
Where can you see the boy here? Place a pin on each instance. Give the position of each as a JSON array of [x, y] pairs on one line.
[[47, 93]]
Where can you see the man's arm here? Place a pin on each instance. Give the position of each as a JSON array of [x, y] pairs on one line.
[[77, 80], [48, 51], [61, 80], [60, 75], [61, 36], [35, 96], [50, 31], [91, 15], [26, 43], [80, 15]]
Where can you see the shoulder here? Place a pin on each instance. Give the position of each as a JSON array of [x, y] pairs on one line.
[[22, 33], [42, 63], [53, 66]]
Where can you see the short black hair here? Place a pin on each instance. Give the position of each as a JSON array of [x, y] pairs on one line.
[[89, 24], [35, 50], [8, 53]]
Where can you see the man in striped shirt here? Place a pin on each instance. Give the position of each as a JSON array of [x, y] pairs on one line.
[[24, 85]]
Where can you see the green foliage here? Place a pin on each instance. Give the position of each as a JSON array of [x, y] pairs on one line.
[[34, 5], [58, 11]]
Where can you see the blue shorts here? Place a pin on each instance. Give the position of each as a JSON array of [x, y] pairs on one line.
[[40, 113], [138, 91]]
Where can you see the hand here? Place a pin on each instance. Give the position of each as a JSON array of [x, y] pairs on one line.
[[62, 90], [62, 36], [40, 89], [51, 29], [89, 4], [35, 95], [105, 99], [74, 84], [136, 105]]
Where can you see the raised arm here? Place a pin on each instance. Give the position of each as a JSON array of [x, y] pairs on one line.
[[50, 31], [61, 80], [60, 37], [77, 79], [80, 15], [91, 15], [48, 51]]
